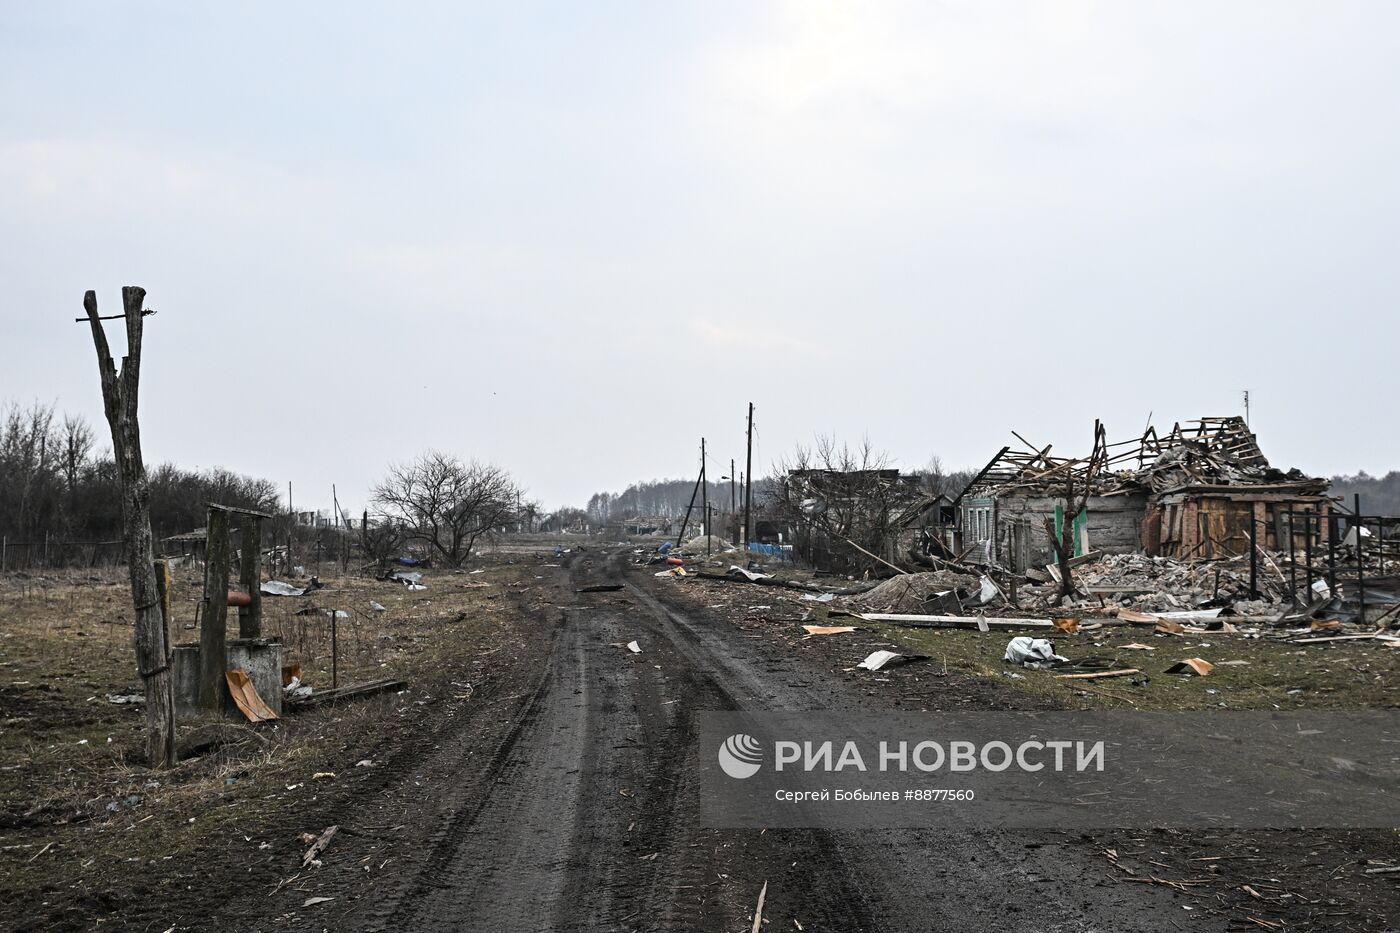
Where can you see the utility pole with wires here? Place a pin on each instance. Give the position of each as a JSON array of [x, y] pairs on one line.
[[733, 510], [748, 485], [705, 497]]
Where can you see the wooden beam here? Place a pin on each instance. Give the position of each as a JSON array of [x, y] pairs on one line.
[[974, 622], [250, 575], [213, 659]]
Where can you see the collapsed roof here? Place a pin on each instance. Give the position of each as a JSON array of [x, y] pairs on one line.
[[1199, 456]]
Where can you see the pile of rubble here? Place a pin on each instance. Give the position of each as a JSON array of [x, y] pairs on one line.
[[915, 592], [1148, 584]]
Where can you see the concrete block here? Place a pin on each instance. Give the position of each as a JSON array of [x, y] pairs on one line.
[[260, 657]]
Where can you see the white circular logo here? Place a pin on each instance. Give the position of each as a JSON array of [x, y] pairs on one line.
[[740, 756]]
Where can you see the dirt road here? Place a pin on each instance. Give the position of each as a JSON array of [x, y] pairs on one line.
[[586, 817]]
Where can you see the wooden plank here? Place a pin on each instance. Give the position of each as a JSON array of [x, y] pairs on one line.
[[353, 691], [928, 621], [1098, 675], [1318, 641]]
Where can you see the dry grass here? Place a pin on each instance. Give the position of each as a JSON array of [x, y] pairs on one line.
[[75, 798]]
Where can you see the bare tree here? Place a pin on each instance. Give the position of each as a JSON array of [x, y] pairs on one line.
[[380, 537], [838, 496], [447, 503], [1078, 483], [26, 456], [77, 441], [935, 480], [119, 397]]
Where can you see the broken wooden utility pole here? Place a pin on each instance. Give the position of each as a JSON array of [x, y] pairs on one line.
[[680, 538], [119, 402]]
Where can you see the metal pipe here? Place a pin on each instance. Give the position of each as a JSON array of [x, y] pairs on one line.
[[335, 651]]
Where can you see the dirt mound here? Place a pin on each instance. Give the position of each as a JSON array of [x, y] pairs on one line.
[[908, 592]]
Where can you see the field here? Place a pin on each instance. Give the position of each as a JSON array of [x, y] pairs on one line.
[[81, 810]]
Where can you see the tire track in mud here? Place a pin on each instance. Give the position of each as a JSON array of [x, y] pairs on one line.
[[589, 819]]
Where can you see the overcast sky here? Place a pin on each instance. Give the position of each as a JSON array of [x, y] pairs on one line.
[[573, 238]]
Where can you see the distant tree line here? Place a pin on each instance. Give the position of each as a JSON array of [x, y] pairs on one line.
[[1380, 495], [663, 498], [56, 481]]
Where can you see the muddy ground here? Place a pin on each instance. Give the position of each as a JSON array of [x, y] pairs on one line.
[[538, 775]]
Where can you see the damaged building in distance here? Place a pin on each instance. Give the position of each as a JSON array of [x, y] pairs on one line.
[[1191, 493]]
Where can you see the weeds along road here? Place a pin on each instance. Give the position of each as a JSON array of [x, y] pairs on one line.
[[589, 819]]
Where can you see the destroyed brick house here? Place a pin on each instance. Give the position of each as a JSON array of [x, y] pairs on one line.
[[1193, 493]]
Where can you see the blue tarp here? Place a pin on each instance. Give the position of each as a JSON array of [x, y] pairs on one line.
[[780, 551], [666, 547], [409, 561]]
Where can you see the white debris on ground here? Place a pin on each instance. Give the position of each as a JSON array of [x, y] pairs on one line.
[[696, 545]]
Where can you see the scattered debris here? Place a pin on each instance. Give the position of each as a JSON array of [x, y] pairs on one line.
[[1197, 666], [633, 647], [123, 699], [317, 847]]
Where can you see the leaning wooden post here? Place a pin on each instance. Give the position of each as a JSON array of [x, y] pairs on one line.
[[164, 590], [250, 575], [213, 657], [119, 402]]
